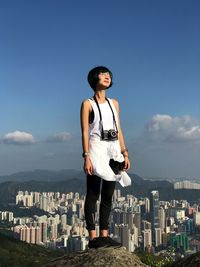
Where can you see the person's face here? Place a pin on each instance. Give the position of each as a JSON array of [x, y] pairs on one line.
[[104, 79]]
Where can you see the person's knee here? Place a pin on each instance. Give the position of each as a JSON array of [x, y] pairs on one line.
[[90, 203], [107, 190], [107, 195], [92, 197]]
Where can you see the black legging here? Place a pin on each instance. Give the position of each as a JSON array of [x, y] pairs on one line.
[[93, 191]]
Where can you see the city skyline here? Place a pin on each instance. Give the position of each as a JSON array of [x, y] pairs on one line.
[[147, 224], [152, 48]]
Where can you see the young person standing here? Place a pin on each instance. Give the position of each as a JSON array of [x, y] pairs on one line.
[[106, 158]]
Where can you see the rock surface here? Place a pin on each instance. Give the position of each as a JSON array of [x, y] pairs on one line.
[[107, 257]]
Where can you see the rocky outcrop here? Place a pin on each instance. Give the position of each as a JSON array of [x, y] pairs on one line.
[[107, 257]]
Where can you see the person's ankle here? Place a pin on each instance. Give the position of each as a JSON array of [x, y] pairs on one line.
[[92, 234], [103, 233]]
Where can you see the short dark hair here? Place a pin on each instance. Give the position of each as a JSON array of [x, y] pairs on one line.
[[93, 76]]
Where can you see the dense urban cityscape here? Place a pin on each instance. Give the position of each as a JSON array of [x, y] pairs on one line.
[[145, 224]]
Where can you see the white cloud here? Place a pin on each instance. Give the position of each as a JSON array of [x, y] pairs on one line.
[[168, 128], [59, 137], [19, 138], [159, 122], [184, 134]]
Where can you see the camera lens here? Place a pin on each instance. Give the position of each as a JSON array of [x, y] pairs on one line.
[[113, 134]]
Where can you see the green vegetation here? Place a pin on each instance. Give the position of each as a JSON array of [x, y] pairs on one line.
[[153, 260], [14, 253]]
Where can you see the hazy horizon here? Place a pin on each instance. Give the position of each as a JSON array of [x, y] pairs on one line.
[[172, 179]]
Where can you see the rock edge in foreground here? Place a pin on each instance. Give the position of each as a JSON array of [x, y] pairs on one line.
[[112, 257]]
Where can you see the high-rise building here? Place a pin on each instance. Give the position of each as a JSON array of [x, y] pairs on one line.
[[19, 197], [36, 197], [64, 240], [147, 238], [189, 223], [23, 234], [53, 231], [130, 217], [63, 221], [162, 218], [147, 205], [32, 235], [179, 241], [123, 233], [137, 221], [116, 216], [135, 236], [76, 196], [74, 243], [28, 200], [116, 195], [179, 214], [43, 202], [154, 208], [28, 232], [165, 239], [146, 225], [158, 237], [123, 216], [38, 234], [197, 218]]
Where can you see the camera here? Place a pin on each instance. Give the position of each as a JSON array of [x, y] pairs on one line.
[[109, 135], [116, 166]]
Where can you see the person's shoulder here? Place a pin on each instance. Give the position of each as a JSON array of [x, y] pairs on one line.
[[115, 102], [86, 104]]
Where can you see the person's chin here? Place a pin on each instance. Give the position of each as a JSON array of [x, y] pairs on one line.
[[106, 86], [103, 88]]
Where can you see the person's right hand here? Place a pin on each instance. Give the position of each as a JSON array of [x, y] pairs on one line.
[[88, 169]]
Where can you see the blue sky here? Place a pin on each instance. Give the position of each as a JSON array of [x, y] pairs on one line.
[[152, 48]]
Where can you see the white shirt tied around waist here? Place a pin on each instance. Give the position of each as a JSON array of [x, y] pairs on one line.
[[100, 154]]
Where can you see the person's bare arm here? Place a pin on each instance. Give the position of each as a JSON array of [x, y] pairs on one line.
[[121, 137], [85, 111]]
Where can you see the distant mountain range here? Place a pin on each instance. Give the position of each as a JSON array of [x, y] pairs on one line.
[[74, 181], [42, 175]]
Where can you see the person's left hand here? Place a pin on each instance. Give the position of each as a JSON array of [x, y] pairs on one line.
[[127, 164]]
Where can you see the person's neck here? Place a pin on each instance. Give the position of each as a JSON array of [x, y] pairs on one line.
[[100, 96]]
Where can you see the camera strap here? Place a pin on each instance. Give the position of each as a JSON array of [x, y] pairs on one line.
[[101, 122]]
